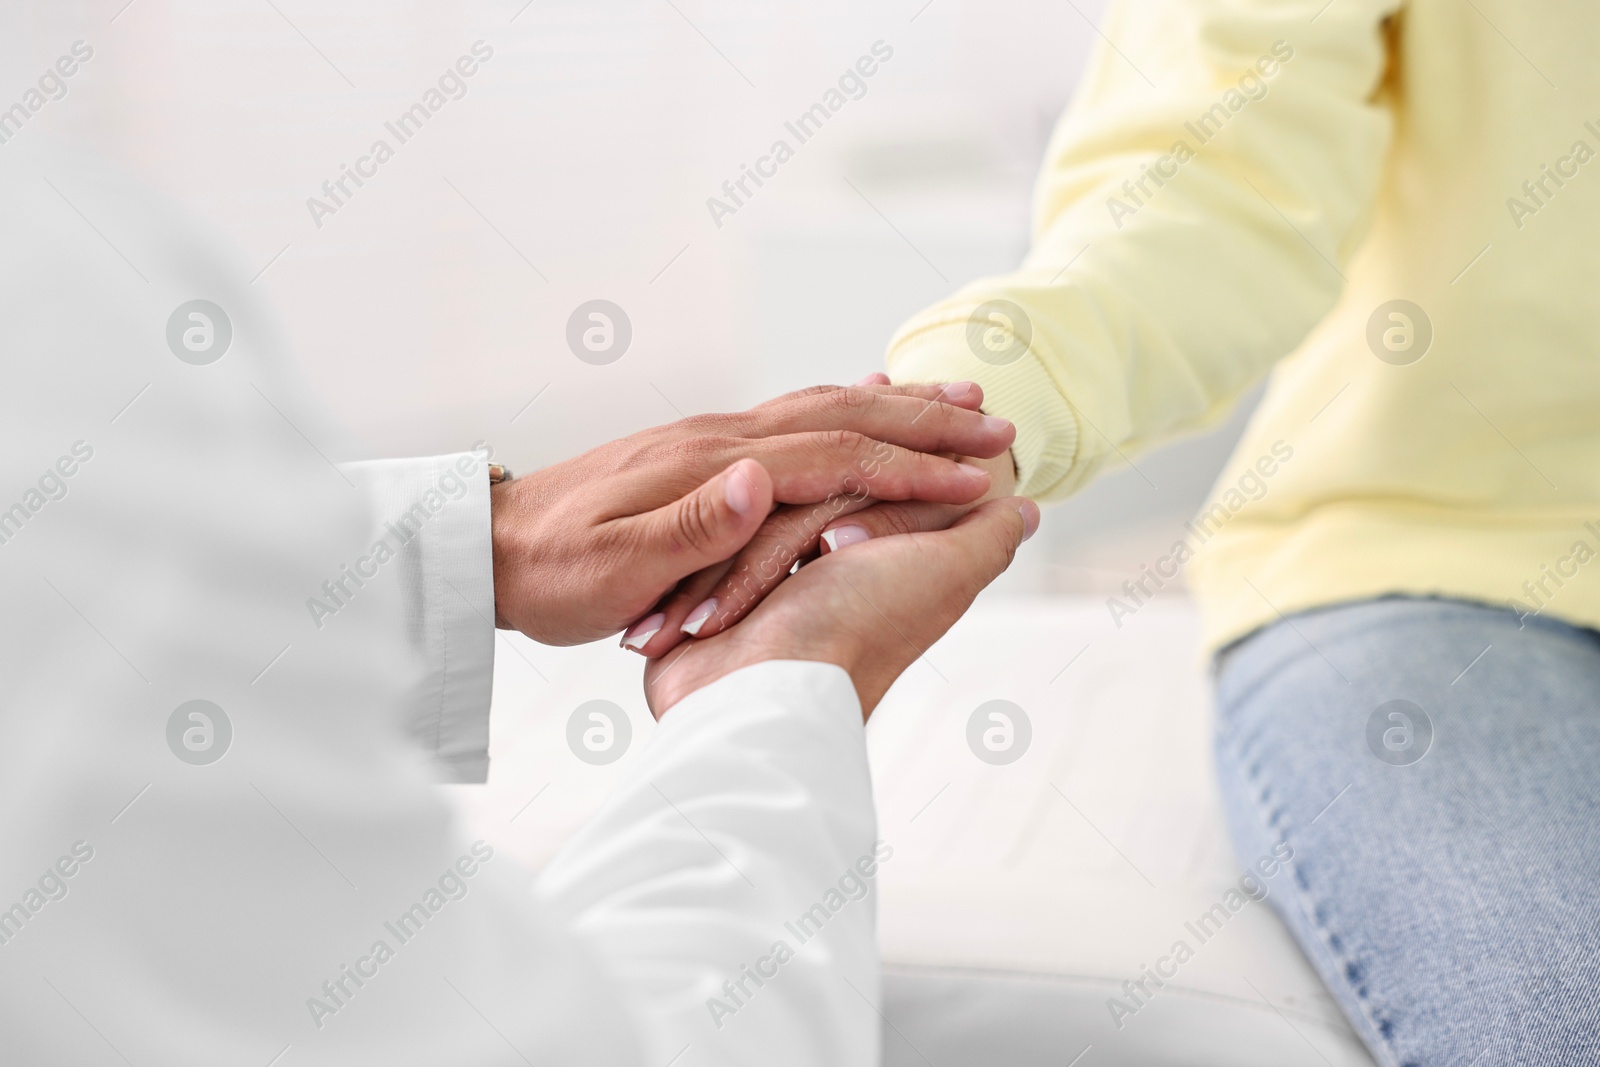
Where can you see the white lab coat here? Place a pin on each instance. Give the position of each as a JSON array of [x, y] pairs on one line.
[[306, 898]]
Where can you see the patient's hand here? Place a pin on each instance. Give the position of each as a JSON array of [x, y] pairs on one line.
[[585, 547], [872, 610]]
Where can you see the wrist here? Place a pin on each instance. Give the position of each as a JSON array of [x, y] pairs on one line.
[[507, 550]]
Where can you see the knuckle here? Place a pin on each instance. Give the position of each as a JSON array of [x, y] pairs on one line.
[[848, 442], [695, 522], [850, 401], [876, 458]]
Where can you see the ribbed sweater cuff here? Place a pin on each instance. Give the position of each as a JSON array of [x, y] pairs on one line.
[[1022, 391]]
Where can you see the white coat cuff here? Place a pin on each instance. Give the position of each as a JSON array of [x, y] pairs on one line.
[[436, 508]]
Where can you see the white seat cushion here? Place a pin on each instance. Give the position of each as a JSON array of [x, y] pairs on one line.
[[1021, 897]]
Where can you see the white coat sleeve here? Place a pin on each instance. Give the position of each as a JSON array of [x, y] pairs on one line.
[[430, 525], [729, 885]]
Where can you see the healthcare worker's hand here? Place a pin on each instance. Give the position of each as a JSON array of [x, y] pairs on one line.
[[872, 608], [585, 547]]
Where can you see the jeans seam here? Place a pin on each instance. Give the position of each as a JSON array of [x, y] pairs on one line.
[[1273, 819]]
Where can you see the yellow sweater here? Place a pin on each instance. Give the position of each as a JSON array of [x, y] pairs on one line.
[[1395, 208]]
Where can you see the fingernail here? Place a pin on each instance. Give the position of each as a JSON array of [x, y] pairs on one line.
[[959, 390], [995, 424], [973, 472], [736, 490], [697, 618], [1030, 518], [872, 379], [640, 633], [844, 536]]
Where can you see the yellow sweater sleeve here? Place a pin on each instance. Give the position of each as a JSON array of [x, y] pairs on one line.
[[1196, 207]]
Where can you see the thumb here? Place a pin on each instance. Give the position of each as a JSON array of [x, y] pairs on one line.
[[984, 540], [710, 524], [891, 578]]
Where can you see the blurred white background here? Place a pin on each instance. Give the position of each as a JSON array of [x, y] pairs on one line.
[[432, 307]]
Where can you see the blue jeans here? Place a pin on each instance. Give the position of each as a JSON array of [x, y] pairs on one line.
[[1436, 769]]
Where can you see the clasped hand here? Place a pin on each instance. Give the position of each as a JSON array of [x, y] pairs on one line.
[[629, 532]]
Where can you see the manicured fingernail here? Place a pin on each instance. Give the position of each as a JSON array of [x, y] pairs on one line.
[[640, 633], [736, 490], [1030, 518], [844, 536], [995, 424], [697, 618], [872, 379], [959, 390]]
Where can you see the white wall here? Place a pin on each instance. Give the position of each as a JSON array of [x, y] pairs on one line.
[[584, 152]]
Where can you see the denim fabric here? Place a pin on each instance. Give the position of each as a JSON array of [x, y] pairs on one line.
[[1447, 888]]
